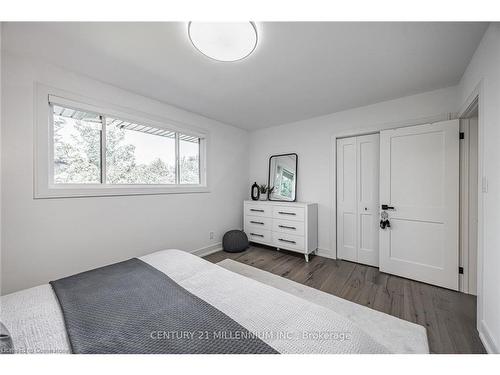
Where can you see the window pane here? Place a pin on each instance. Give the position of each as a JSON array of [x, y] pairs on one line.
[[286, 184], [77, 146], [189, 159], [138, 154]]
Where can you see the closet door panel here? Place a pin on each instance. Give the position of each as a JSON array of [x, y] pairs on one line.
[[346, 199], [368, 156]]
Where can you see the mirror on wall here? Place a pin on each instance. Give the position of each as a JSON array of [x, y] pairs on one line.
[[283, 177]]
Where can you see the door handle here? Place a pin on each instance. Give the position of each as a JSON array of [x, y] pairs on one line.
[[386, 207]]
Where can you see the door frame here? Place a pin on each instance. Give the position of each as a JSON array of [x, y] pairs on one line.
[[477, 95], [372, 129], [467, 202]]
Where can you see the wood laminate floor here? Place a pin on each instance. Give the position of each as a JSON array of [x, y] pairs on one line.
[[448, 316]]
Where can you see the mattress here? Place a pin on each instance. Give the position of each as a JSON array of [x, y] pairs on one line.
[[286, 322]]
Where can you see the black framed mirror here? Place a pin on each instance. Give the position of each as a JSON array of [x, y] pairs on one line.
[[282, 177]]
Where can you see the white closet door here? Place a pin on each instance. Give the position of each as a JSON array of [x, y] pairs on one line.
[[346, 199], [368, 156], [357, 199], [419, 177]]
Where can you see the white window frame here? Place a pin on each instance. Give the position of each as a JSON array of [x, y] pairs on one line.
[[44, 186]]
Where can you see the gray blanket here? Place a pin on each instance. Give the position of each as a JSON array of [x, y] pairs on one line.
[[131, 307]]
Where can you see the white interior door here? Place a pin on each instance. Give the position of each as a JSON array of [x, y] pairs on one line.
[[368, 155], [357, 199], [346, 199], [419, 177]]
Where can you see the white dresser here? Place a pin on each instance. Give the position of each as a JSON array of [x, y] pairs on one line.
[[284, 225]]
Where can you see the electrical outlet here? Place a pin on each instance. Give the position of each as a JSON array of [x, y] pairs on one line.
[[212, 235]]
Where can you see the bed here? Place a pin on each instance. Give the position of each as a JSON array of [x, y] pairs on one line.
[[283, 322]]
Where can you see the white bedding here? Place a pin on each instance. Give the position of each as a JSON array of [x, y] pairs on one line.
[[398, 335], [286, 322]]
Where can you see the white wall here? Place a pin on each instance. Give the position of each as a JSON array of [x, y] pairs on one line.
[[311, 140], [46, 239], [483, 73]]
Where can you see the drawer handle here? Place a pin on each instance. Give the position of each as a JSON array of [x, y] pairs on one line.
[[287, 213], [286, 227], [257, 222], [282, 240], [257, 235], [255, 210]]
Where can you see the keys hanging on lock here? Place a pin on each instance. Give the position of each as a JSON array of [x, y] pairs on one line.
[[384, 222]]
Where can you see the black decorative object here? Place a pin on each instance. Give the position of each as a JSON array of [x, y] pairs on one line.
[[6, 344], [235, 241], [255, 192]]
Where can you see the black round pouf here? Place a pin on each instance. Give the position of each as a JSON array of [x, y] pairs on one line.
[[235, 241]]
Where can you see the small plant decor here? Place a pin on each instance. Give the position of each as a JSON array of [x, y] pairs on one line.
[[265, 191]]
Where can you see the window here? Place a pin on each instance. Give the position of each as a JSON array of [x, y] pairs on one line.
[[189, 153], [77, 140], [285, 181], [137, 154], [94, 151]]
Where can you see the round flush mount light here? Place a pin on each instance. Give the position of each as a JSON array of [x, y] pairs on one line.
[[223, 41]]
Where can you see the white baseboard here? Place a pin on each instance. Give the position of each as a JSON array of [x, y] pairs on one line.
[[207, 250], [487, 339], [326, 253]]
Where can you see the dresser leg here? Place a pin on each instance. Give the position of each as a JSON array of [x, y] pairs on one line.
[[277, 249], [307, 257]]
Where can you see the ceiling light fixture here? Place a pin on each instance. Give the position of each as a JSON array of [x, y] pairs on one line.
[[223, 41]]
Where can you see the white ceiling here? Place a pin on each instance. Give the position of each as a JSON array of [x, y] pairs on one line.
[[299, 70]]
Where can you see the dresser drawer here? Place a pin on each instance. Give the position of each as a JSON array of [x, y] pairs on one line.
[[258, 222], [289, 226], [288, 213], [257, 235], [288, 241], [258, 210]]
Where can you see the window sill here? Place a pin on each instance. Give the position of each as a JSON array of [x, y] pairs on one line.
[[79, 191]]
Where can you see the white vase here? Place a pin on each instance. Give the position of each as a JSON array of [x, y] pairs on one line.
[[263, 197]]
